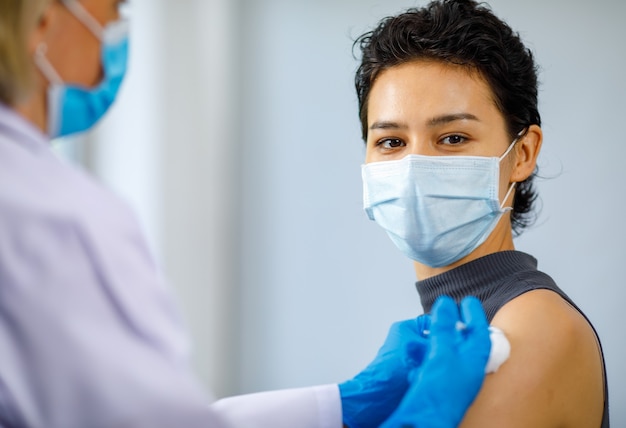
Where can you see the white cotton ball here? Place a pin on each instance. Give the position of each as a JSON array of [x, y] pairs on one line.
[[500, 349]]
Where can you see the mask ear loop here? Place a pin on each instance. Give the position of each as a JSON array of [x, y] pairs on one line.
[[45, 66], [79, 11], [512, 186], [508, 193], [56, 86], [517, 138]]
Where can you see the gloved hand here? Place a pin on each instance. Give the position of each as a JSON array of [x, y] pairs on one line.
[[372, 395], [450, 376]]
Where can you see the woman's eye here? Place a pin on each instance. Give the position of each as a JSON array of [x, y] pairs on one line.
[[453, 140], [391, 143]]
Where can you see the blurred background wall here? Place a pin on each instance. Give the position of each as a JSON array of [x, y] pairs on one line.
[[236, 140]]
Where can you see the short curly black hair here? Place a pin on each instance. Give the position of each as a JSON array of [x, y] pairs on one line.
[[468, 34]]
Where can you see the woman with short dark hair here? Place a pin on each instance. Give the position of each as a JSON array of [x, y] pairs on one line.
[[448, 107]]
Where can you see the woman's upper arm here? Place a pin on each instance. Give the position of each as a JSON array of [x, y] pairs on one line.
[[554, 374]]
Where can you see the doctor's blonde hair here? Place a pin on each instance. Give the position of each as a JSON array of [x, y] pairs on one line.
[[17, 20]]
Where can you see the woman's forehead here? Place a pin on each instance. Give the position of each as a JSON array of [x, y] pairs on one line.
[[430, 89]]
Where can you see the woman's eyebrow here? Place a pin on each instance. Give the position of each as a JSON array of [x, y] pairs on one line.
[[386, 124], [448, 118], [433, 122]]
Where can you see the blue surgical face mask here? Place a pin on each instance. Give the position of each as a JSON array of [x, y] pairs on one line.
[[436, 209], [72, 108]]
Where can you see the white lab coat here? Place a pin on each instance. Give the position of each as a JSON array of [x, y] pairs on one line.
[[314, 407]]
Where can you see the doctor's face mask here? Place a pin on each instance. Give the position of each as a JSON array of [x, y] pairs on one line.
[[435, 209], [72, 108]]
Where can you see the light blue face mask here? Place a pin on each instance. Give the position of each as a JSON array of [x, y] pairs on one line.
[[71, 108], [436, 209]]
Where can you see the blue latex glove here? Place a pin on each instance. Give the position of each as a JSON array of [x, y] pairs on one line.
[[450, 377], [371, 396]]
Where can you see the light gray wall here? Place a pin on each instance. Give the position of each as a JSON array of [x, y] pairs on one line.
[[236, 139]]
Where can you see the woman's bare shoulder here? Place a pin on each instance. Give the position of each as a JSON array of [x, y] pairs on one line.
[[554, 374]]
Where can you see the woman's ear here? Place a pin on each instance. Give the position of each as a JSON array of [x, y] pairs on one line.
[[527, 150], [40, 32]]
